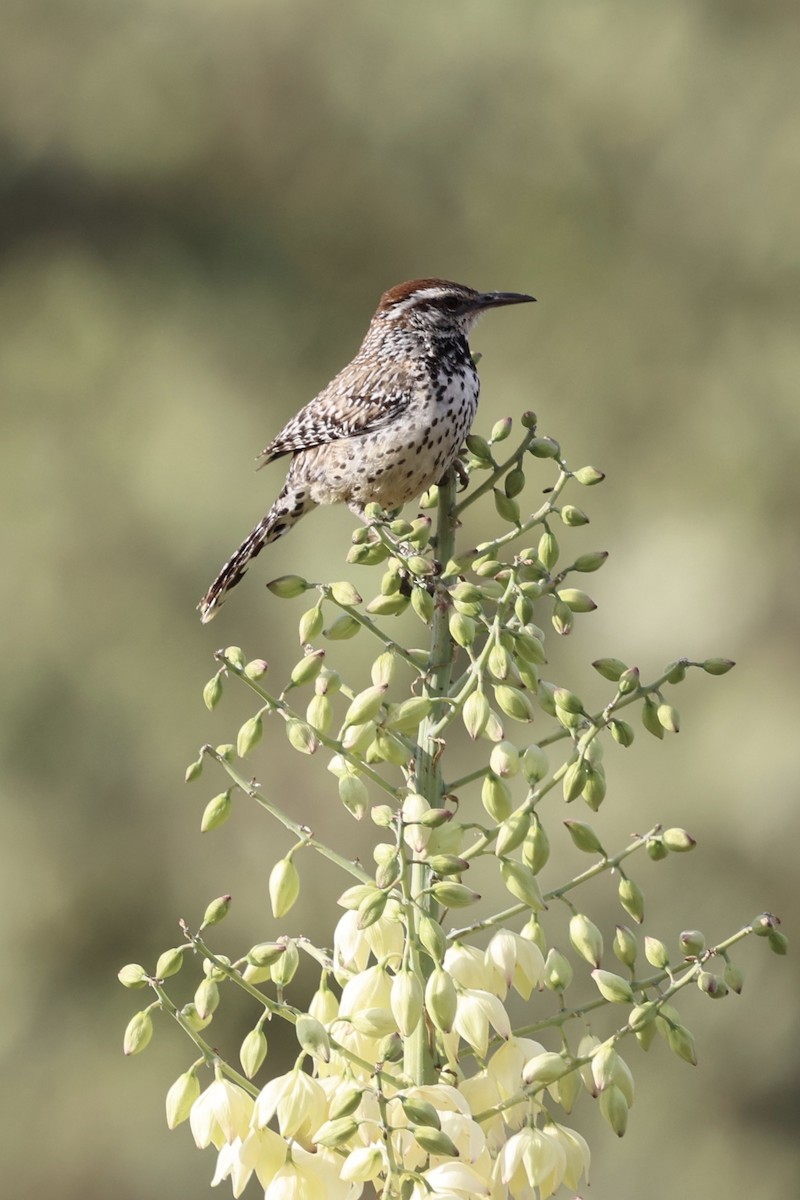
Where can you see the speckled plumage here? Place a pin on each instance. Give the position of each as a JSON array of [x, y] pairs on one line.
[[386, 427]]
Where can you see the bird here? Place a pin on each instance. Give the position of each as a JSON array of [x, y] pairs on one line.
[[388, 426]]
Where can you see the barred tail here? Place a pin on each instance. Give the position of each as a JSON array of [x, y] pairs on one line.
[[287, 510]]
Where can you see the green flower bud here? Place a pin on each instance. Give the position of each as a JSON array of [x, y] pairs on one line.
[[557, 971], [335, 1133], [676, 672], [265, 953], [520, 881], [548, 550], [692, 942], [365, 705], [388, 606], [562, 619], [588, 476], [479, 449], [584, 837], [249, 735], [594, 790], [206, 998], [504, 759], [217, 911], [650, 718], [357, 738], [681, 1042], [435, 1141], [133, 976], [420, 1112], [586, 938], [226, 752], [523, 609], [419, 565], [574, 780], [343, 628], [256, 669], [614, 1108], [544, 447], [763, 925], [499, 663], [441, 999], [307, 668], [180, 1098], [345, 594], [568, 700], [536, 847], [434, 818], [406, 1001], [656, 952], [621, 732], [712, 985], [352, 897], [319, 713], [592, 561], [628, 681], [447, 864], [734, 977], [533, 932], [423, 604], [345, 1101], [475, 714], [353, 794], [656, 849], [668, 717], [534, 764], [631, 899], [284, 887], [573, 516], [310, 624], [193, 1019], [678, 840], [544, 1069], [288, 586], [610, 668], [496, 798], [420, 531], [514, 702], [718, 666], [624, 946], [284, 969], [487, 568], [387, 747], [643, 1015], [212, 692], [462, 629], [138, 1033], [313, 1037], [169, 963], [507, 509], [217, 811], [234, 655], [613, 987], [193, 771], [371, 908], [528, 420], [301, 736], [453, 895], [432, 937], [515, 482], [512, 832], [406, 716], [778, 943], [252, 1052], [576, 600], [530, 648], [501, 429]]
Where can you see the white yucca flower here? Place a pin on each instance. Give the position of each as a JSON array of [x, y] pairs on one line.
[[351, 950], [468, 966], [220, 1114], [476, 1011], [519, 962], [299, 1102], [481, 1093]]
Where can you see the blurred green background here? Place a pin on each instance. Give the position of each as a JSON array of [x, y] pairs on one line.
[[200, 206]]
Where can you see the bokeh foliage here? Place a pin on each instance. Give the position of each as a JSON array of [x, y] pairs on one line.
[[200, 206]]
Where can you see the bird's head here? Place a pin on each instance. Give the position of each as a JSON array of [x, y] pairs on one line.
[[439, 306]]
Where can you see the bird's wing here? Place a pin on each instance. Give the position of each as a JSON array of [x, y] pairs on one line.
[[354, 403]]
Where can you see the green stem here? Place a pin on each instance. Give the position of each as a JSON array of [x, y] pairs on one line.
[[497, 473], [417, 1060]]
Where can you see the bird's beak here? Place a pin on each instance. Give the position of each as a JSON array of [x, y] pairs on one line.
[[498, 299]]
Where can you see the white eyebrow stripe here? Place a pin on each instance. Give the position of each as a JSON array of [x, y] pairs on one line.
[[432, 293]]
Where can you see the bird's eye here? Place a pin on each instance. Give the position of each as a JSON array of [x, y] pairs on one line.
[[451, 304]]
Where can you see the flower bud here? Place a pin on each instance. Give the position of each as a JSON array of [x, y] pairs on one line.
[[133, 976], [515, 482], [284, 887], [621, 732], [512, 832], [656, 850], [206, 998], [193, 771], [310, 624], [249, 735], [574, 780], [423, 604], [624, 945], [345, 1101], [365, 705], [212, 692], [544, 1069], [576, 600], [496, 798], [594, 790], [778, 942], [718, 666], [614, 1108], [613, 987], [692, 942], [420, 1112], [681, 1042], [319, 713], [548, 550], [345, 594], [650, 718], [479, 449], [288, 586], [307, 668], [643, 1015], [656, 952], [668, 717], [435, 1141], [138, 1033], [501, 429], [631, 899], [520, 881], [507, 509], [217, 811], [536, 847], [301, 736], [586, 938], [504, 759], [534, 764], [343, 628], [592, 561], [610, 668], [712, 985], [441, 999], [544, 447], [530, 648], [284, 969], [252, 1052], [628, 681], [390, 1048], [353, 794], [528, 419], [313, 1037], [514, 702], [475, 714], [371, 908], [676, 672], [180, 1098], [265, 953], [406, 1001], [217, 911], [169, 963], [446, 864], [584, 837], [588, 476], [678, 840], [557, 971], [453, 895], [573, 516], [256, 669], [335, 1133], [462, 629], [734, 977], [234, 655]]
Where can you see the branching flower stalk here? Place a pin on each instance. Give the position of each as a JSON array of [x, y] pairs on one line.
[[417, 1070]]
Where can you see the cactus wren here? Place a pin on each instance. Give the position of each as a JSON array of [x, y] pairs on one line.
[[388, 426]]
